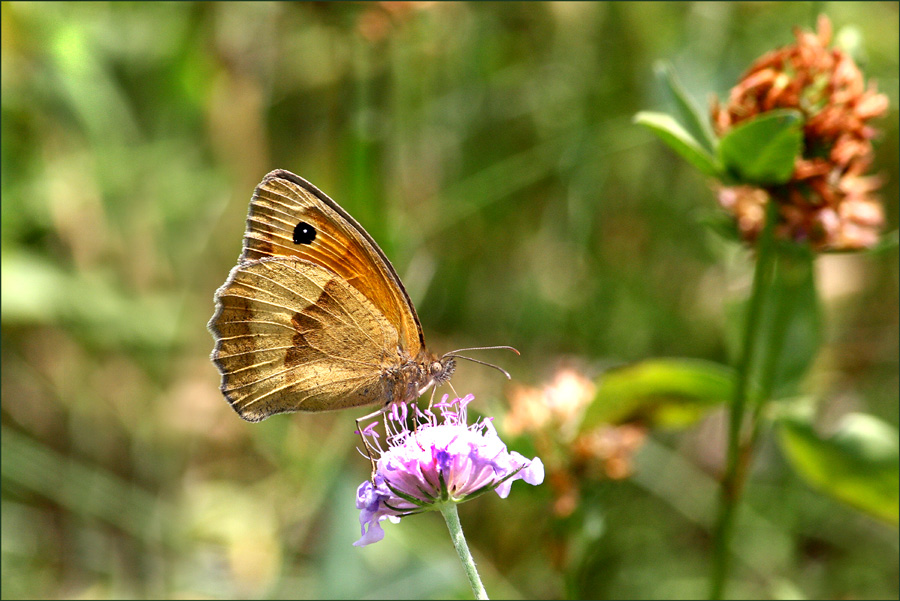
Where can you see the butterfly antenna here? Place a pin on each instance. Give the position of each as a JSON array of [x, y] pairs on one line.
[[497, 367], [481, 348]]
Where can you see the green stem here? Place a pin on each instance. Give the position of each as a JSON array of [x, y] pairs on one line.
[[448, 510], [739, 452]]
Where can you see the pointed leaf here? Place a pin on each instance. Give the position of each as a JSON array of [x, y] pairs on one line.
[[672, 392], [858, 464], [695, 122], [762, 151], [672, 133]]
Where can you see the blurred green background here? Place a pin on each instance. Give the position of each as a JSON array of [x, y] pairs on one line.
[[488, 148]]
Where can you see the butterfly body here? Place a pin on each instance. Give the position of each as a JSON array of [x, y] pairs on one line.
[[314, 317]]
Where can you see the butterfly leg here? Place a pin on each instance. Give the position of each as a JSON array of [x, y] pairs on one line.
[[366, 443], [384, 420], [415, 412]]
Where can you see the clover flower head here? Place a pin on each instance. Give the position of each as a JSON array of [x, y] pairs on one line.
[[828, 202], [442, 459]]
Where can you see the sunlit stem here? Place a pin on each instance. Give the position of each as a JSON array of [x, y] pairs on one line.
[[740, 447], [448, 510]]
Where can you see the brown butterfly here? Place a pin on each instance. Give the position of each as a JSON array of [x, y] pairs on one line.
[[313, 317]]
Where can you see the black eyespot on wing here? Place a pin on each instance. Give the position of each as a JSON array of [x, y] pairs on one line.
[[304, 233]]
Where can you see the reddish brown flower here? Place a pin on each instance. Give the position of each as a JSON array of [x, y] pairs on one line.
[[827, 202], [376, 22], [559, 404], [552, 416]]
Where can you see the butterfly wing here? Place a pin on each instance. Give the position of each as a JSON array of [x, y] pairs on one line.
[[290, 336], [282, 202]]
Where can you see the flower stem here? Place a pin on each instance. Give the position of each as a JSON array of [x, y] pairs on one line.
[[740, 449], [448, 510]]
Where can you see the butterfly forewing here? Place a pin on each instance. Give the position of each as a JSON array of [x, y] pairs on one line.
[[290, 336], [339, 244]]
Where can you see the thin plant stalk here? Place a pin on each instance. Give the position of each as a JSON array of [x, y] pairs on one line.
[[451, 516], [739, 451]]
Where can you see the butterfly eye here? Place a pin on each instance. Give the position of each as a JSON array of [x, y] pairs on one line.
[[442, 370], [304, 233]]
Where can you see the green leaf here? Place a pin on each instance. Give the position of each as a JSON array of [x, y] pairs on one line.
[[695, 122], [668, 392], [672, 133], [859, 464], [791, 321], [790, 325], [720, 222], [762, 151]]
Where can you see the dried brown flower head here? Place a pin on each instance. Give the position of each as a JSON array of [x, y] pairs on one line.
[[376, 23], [827, 200], [552, 416], [560, 402]]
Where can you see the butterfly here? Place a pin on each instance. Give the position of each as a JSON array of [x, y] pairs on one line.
[[314, 317]]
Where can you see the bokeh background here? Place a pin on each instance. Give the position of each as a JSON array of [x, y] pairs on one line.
[[489, 149]]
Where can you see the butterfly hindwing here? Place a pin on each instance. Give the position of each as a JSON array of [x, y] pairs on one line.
[[290, 336]]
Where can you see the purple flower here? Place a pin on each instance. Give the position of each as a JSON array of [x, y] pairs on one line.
[[441, 460]]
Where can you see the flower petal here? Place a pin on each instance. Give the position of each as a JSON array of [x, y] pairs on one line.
[[444, 459]]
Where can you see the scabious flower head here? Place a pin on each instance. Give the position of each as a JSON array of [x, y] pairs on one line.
[[441, 460], [828, 201]]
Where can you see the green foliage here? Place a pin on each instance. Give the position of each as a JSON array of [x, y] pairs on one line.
[[790, 323], [690, 135], [696, 122], [762, 151], [660, 392], [858, 464], [677, 137], [37, 291]]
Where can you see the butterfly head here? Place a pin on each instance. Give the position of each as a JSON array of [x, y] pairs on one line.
[[441, 369], [429, 370]]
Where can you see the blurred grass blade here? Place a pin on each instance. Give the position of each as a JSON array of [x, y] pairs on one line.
[[722, 223], [492, 183], [87, 491], [677, 137], [762, 151], [858, 464], [35, 290], [695, 122], [665, 392]]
